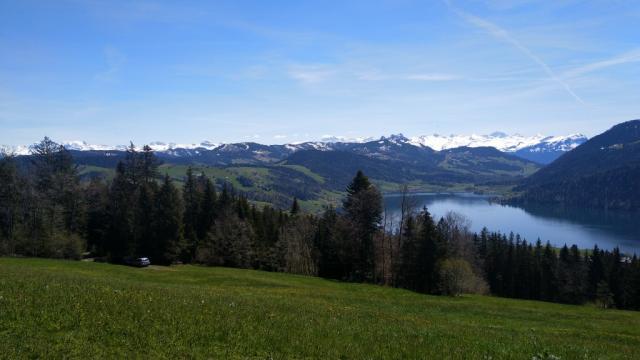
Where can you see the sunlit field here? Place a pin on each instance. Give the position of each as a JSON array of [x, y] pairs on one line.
[[55, 309]]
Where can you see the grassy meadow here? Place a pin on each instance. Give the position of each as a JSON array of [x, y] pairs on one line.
[[57, 309]]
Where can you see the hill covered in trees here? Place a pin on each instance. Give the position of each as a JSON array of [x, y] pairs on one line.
[[603, 173], [316, 176], [46, 211]]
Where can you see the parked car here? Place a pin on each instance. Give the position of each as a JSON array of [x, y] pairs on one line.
[[137, 261]]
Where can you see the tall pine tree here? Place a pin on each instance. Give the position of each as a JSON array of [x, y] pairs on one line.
[[363, 207]]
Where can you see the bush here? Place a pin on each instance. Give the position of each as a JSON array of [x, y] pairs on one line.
[[66, 246], [457, 278]]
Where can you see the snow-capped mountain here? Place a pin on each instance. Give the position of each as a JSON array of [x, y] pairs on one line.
[[84, 146], [498, 140], [345, 139], [69, 145], [162, 146], [78, 145], [557, 143], [16, 150], [538, 148], [550, 148]]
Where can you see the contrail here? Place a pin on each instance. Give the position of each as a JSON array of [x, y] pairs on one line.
[[629, 57], [500, 33]]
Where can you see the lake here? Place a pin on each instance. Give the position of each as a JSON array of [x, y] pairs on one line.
[[557, 224]]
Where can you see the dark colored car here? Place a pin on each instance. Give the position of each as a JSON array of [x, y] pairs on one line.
[[137, 261]]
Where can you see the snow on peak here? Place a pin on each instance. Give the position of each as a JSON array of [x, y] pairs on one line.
[[344, 139], [14, 150], [160, 146], [559, 143], [498, 140], [79, 145], [84, 146]]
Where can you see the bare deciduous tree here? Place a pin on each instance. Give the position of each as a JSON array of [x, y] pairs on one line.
[[296, 247]]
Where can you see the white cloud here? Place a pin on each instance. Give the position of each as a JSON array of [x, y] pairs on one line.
[[371, 75], [280, 137], [310, 73]]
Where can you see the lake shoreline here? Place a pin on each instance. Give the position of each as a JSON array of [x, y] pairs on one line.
[[558, 225]]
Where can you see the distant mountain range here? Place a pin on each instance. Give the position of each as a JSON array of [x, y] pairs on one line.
[[538, 148], [600, 172], [604, 172], [317, 171]]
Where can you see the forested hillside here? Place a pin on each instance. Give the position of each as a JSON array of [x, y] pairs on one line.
[[603, 172], [275, 174], [46, 211]]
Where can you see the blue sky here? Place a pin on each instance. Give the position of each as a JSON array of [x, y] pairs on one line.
[[109, 71]]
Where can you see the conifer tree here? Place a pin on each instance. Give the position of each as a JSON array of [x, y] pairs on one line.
[[192, 197], [208, 207], [148, 164], [56, 205], [120, 234], [409, 270], [168, 226], [10, 196], [616, 278], [633, 283], [328, 245], [570, 284], [431, 252], [132, 166], [548, 277], [295, 207], [143, 210], [596, 271], [97, 200], [226, 197], [363, 207]]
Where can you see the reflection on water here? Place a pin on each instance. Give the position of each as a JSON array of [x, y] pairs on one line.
[[557, 224]]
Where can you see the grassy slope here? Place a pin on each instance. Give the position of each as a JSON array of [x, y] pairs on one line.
[[54, 308]]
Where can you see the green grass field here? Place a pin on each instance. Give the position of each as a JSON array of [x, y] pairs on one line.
[[57, 309]]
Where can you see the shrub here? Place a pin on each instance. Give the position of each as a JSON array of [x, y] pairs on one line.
[[457, 277]]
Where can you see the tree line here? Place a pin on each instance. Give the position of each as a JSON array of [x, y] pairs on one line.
[[46, 211]]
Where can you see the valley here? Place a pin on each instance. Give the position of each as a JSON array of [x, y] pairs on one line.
[[317, 173], [455, 179]]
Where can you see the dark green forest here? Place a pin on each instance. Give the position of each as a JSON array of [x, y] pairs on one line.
[[46, 211], [601, 173]]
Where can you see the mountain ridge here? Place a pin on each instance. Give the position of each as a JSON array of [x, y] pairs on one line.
[[537, 148], [316, 172], [602, 173]]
